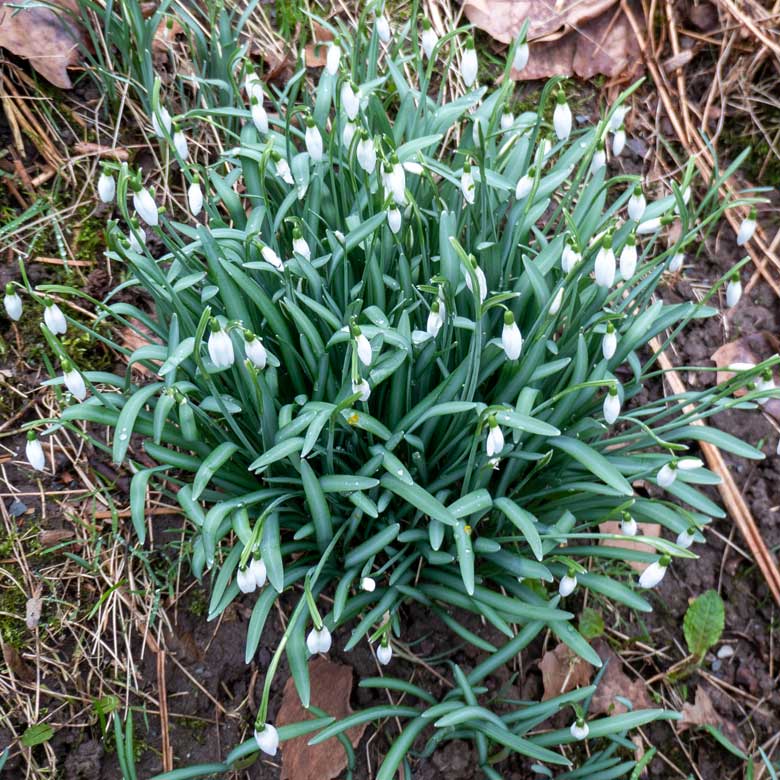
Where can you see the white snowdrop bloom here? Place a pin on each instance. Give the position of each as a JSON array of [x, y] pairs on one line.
[[524, 186], [333, 58], [253, 86], [267, 739], [180, 144], [74, 381], [686, 538], [628, 258], [609, 342], [137, 237], [637, 204], [12, 303], [618, 142], [435, 318], [162, 126], [368, 584], [469, 64], [741, 366], [363, 347], [272, 258], [649, 226], [478, 130], [545, 144], [394, 219], [54, 318], [567, 585], [481, 280], [579, 729], [145, 207], [511, 338], [259, 116], [300, 245], [413, 167], [688, 464], [654, 573], [34, 452], [363, 388], [733, 291], [611, 406], [467, 184], [319, 641], [667, 474], [616, 120], [522, 53], [507, 120], [366, 153], [245, 580], [765, 383], [494, 443], [383, 29], [395, 182], [195, 197], [258, 571], [676, 263], [106, 187], [569, 258], [384, 654], [605, 265], [283, 170], [562, 117], [628, 526], [255, 350], [747, 228], [555, 306], [349, 100], [313, 140], [220, 346], [599, 159], [686, 196], [429, 38]]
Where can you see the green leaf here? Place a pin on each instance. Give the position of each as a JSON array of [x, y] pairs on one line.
[[127, 418], [704, 622], [591, 623], [594, 462], [37, 735], [210, 466]]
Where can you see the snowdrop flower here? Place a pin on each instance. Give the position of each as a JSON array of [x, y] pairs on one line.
[[195, 196], [495, 438], [267, 739], [34, 452], [609, 342], [599, 159], [383, 29], [579, 729], [616, 120], [435, 318], [283, 169], [628, 526], [686, 538], [567, 584], [429, 38], [394, 219], [259, 116], [300, 245], [53, 317], [765, 383], [555, 306], [395, 180], [655, 572], [253, 87], [366, 152], [313, 140], [667, 474], [637, 204], [511, 338], [507, 120], [73, 381], [363, 388], [611, 406], [13, 303], [628, 258], [180, 144], [524, 185], [161, 126], [619, 142], [333, 58], [570, 257], [467, 183], [349, 100], [384, 653], [106, 187], [136, 236], [478, 130], [348, 133], [258, 571], [272, 258], [605, 264], [733, 291], [368, 584], [649, 226], [145, 207], [469, 64], [245, 580], [686, 196], [255, 350], [410, 166], [562, 117], [522, 53], [747, 228], [319, 641], [363, 346], [676, 263], [480, 274], [220, 346]]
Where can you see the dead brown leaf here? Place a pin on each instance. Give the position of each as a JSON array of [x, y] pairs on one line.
[[87, 148], [52, 536], [703, 713], [562, 671], [645, 529], [615, 682], [47, 39], [331, 687], [165, 36], [33, 612], [16, 664]]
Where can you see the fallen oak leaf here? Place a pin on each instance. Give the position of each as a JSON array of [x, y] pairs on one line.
[[703, 713], [645, 529], [562, 671], [615, 682]]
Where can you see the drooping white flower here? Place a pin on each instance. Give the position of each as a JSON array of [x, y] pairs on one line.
[[272, 258], [654, 573], [313, 140], [368, 584], [733, 291], [467, 183], [649, 226], [283, 170], [628, 258], [12, 303], [363, 347], [384, 654], [667, 474], [628, 526], [686, 538], [195, 197], [567, 585], [609, 342], [319, 641], [522, 53], [349, 101], [481, 280], [258, 570], [245, 580], [348, 133], [136, 236], [747, 228], [180, 144], [366, 153], [255, 350], [220, 346], [468, 64], [106, 187], [363, 388], [300, 245], [579, 729], [765, 383], [507, 120], [394, 178], [259, 116], [611, 406], [267, 739], [562, 117], [435, 318], [494, 443], [555, 306], [619, 142], [253, 86], [605, 265], [524, 186], [34, 452], [429, 38], [162, 126], [569, 257], [383, 29], [54, 318], [637, 204], [478, 130], [410, 166], [74, 381], [394, 219], [145, 207], [333, 58], [511, 338], [599, 159], [676, 263], [616, 120]]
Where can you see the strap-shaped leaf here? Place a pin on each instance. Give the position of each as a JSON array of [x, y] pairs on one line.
[[594, 462]]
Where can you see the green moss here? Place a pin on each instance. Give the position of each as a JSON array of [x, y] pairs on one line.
[[198, 603], [89, 236], [13, 604]]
